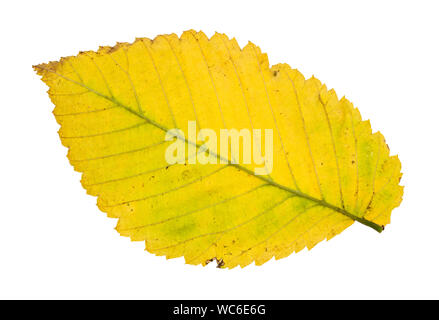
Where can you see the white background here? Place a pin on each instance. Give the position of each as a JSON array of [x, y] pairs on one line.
[[383, 55]]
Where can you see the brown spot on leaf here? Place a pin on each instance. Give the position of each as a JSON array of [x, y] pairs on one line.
[[219, 263]]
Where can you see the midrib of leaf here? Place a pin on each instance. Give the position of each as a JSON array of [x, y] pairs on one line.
[[320, 202]]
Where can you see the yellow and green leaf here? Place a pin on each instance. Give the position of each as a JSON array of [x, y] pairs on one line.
[[115, 106]]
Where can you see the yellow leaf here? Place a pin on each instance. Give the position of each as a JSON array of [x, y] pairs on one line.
[[116, 105]]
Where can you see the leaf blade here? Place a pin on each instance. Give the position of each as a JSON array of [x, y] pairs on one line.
[[156, 83]]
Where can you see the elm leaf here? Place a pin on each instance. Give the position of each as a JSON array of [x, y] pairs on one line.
[[116, 105]]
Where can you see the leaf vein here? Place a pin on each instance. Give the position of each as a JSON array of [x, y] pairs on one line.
[[245, 100], [275, 122], [228, 229], [197, 120], [140, 124], [356, 162], [306, 134], [196, 210], [121, 153], [211, 80], [174, 121], [274, 233], [168, 191], [334, 150]]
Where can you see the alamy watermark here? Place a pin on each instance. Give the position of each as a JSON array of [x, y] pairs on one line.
[[240, 146]]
